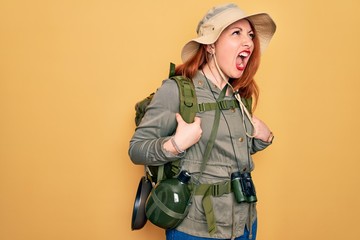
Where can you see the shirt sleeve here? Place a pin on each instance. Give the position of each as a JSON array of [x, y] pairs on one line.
[[156, 127], [258, 145]]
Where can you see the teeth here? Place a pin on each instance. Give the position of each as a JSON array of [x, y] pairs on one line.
[[244, 54]]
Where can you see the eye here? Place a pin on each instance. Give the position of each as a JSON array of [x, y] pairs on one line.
[[236, 32], [251, 35]]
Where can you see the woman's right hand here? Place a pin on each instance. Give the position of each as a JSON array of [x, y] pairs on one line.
[[186, 134]]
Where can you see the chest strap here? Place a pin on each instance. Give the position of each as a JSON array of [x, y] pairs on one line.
[[222, 105]]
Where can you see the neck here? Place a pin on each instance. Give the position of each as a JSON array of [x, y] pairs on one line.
[[214, 76]]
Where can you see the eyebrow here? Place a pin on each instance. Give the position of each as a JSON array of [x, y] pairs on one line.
[[251, 30]]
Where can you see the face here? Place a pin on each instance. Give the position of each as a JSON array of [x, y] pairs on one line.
[[234, 48]]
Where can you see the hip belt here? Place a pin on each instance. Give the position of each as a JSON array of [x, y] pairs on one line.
[[207, 190], [242, 186]]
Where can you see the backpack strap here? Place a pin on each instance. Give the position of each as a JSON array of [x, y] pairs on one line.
[[248, 104], [188, 100], [206, 201], [172, 70], [188, 108]]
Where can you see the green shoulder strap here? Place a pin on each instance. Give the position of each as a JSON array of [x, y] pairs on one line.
[[188, 101], [248, 104], [188, 108], [206, 201]]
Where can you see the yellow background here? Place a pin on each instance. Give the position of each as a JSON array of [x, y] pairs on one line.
[[72, 70]]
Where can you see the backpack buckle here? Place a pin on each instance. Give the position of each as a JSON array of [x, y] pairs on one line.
[[201, 107], [222, 105]]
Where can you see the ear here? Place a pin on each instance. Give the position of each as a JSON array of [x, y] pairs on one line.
[[210, 48]]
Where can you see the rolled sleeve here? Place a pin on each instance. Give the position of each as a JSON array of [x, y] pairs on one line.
[[258, 145]]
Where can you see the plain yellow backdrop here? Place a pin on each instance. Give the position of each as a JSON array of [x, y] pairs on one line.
[[72, 70]]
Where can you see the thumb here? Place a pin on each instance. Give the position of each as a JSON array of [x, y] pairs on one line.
[[179, 118], [197, 120]]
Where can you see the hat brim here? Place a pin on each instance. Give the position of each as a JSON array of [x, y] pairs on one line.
[[263, 24]]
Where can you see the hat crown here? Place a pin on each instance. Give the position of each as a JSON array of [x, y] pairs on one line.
[[215, 18]]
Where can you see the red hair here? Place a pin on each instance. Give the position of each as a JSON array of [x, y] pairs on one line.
[[246, 84], [192, 65]]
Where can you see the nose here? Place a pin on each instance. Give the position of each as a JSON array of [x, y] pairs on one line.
[[247, 42]]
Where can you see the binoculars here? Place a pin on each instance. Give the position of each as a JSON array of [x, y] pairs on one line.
[[243, 187]]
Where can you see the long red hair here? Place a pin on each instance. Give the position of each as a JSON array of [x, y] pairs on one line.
[[246, 84]]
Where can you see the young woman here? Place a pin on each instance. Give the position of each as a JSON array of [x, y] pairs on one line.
[[221, 62]]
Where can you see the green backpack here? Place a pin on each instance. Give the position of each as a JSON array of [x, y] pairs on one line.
[[188, 109], [188, 101]]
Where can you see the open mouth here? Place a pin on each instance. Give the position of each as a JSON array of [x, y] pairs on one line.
[[244, 54], [240, 63]]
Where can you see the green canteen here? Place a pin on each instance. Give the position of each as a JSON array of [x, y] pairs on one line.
[[168, 202]]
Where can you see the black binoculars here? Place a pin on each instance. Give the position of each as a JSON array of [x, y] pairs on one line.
[[243, 187]]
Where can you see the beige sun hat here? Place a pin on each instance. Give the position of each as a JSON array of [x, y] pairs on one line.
[[220, 17]]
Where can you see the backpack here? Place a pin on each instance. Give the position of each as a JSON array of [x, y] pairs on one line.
[[188, 109]]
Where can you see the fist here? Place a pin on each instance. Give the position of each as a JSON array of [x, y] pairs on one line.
[[187, 134], [261, 130]]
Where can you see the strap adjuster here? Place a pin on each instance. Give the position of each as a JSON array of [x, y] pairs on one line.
[[220, 189], [201, 107], [222, 105]]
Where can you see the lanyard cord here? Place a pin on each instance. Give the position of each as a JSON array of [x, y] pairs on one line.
[[247, 114]]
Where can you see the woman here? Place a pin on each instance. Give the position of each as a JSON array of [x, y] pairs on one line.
[[221, 62]]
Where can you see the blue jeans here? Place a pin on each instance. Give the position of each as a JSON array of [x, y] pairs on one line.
[[173, 234]]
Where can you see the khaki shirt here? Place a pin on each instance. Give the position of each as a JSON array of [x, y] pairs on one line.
[[231, 153]]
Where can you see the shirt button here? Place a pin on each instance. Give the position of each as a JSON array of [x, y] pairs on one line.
[[232, 110], [241, 139], [200, 82]]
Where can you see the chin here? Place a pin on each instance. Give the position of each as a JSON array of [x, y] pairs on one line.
[[238, 75]]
